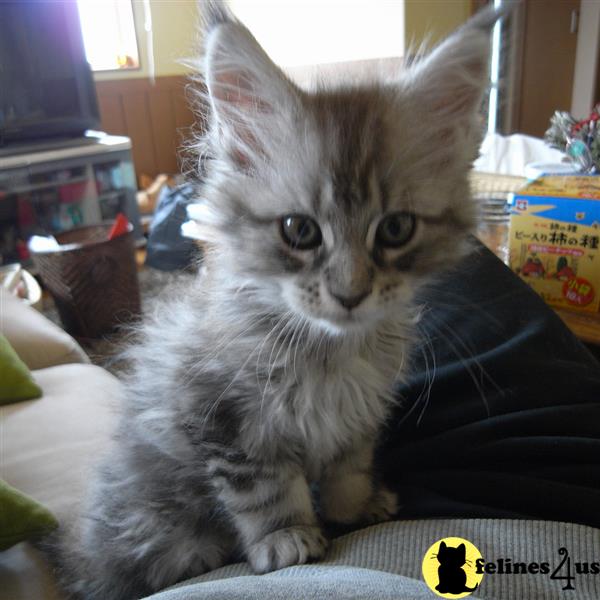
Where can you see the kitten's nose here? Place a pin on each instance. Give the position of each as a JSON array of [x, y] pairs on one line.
[[350, 302]]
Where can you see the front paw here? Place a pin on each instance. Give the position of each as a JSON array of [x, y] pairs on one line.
[[383, 506], [286, 547]]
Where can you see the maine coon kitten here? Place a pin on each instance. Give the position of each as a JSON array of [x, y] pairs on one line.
[[325, 212]]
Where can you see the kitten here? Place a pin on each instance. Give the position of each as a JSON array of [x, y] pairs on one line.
[[325, 212]]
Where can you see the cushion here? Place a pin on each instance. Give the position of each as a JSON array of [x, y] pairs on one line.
[[385, 562], [50, 444], [17, 382], [38, 342], [21, 518], [48, 449]]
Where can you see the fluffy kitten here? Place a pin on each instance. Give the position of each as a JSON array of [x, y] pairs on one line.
[[325, 211]]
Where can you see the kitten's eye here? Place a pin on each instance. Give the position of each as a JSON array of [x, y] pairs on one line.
[[396, 229], [300, 232]]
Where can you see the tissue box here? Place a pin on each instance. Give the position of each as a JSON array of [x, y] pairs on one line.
[[554, 242]]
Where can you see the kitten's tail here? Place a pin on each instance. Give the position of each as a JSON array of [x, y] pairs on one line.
[[72, 568], [468, 589]]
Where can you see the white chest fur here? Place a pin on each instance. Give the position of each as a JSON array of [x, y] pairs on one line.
[[328, 407]]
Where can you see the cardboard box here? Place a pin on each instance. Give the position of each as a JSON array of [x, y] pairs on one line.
[[554, 242]]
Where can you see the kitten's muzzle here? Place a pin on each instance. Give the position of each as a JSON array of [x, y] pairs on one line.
[[350, 302]]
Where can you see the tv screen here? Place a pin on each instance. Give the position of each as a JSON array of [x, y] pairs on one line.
[[46, 84]]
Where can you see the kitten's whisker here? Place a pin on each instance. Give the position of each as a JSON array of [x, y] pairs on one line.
[[283, 317], [469, 351], [288, 329], [305, 322], [322, 338], [190, 372], [426, 382], [271, 365], [288, 345], [461, 303], [279, 321], [467, 366], [465, 347], [215, 404], [432, 376]]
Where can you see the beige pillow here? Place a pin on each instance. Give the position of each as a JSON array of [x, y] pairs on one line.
[[49, 448], [48, 445], [38, 342]]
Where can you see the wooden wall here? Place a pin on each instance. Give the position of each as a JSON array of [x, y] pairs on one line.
[[549, 52], [156, 117]]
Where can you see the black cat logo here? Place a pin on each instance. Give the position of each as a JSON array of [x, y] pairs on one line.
[[449, 568], [453, 578]]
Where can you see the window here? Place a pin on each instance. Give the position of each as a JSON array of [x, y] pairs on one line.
[[109, 34]]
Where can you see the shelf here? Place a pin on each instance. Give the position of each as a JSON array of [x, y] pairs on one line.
[[110, 194], [42, 186], [54, 178]]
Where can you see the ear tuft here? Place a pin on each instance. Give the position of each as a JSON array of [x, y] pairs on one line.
[[451, 80], [246, 89]]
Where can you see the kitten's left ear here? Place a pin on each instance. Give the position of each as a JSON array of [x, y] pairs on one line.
[[450, 81], [246, 89]]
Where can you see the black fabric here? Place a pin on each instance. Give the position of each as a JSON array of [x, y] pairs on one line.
[[502, 415]]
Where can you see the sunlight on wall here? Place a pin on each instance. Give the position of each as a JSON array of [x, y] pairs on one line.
[[298, 32], [295, 32], [433, 19]]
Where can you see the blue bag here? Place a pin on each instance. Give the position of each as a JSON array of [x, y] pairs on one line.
[[167, 249]]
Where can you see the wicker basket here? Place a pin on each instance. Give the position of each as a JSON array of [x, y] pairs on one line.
[[93, 280]]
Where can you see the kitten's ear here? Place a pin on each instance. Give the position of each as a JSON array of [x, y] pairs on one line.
[[442, 545], [451, 80], [246, 89], [462, 549]]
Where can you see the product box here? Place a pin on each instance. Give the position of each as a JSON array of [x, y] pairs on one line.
[[554, 242]]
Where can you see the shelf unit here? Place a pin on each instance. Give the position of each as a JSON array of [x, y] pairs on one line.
[[47, 190]]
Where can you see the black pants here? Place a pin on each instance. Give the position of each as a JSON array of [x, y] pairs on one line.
[[501, 417]]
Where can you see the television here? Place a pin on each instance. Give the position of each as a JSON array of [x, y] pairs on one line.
[[46, 83]]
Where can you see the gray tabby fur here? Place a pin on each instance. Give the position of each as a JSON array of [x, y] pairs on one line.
[[255, 382]]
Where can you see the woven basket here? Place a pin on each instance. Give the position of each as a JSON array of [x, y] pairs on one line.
[[93, 280]]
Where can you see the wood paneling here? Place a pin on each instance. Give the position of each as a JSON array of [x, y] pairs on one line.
[[156, 117], [549, 48]]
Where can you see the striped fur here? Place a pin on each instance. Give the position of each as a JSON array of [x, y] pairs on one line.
[[254, 382]]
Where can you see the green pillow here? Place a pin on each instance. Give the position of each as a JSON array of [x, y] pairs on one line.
[[17, 383], [21, 518]]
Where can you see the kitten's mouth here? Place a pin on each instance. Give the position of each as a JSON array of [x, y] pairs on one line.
[[343, 322]]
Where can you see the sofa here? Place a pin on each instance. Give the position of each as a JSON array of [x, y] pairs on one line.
[[503, 450], [48, 445]]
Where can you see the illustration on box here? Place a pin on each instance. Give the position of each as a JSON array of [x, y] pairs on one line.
[[555, 240]]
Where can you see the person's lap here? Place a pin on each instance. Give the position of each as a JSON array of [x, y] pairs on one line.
[[501, 417]]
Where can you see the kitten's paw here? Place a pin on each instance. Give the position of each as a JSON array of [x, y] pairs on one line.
[[286, 547], [382, 507]]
